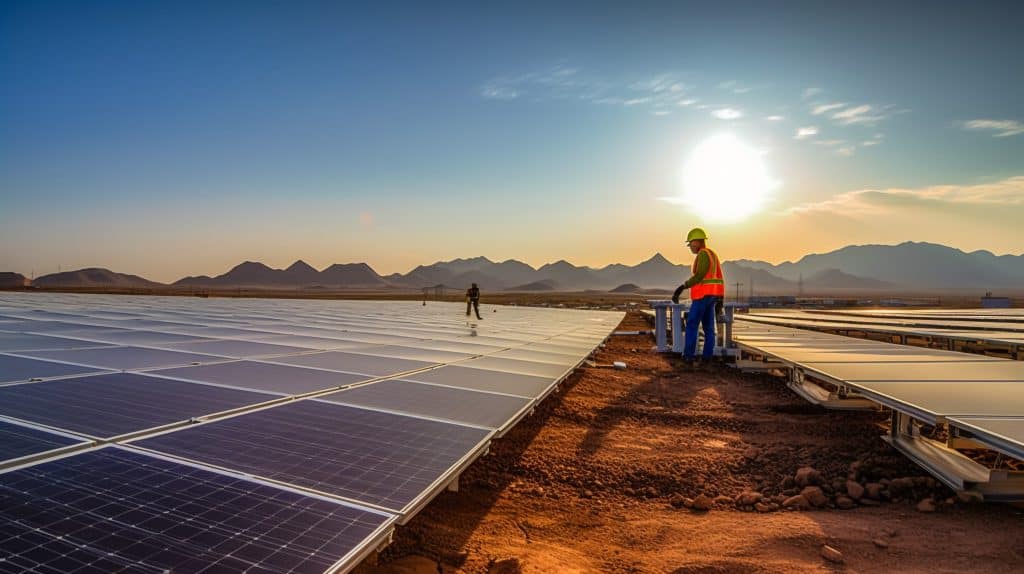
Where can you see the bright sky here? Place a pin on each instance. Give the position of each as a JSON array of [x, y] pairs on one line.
[[174, 138]]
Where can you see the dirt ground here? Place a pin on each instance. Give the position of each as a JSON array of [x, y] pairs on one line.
[[611, 473]]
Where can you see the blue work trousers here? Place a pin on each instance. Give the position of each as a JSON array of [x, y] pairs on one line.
[[701, 311]]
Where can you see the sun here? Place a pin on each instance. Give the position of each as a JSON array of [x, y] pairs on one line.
[[725, 180]]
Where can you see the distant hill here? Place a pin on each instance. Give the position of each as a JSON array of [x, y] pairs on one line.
[[625, 288], [299, 274], [836, 279], [544, 285], [907, 266], [9, 280], [94, 277]]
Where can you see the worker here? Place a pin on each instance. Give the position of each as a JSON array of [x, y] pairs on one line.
[[707, 292], [473, 301]]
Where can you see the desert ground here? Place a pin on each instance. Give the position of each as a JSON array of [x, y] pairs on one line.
[[657, 469]]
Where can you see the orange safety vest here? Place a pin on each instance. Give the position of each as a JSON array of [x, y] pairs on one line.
[[713, 282]]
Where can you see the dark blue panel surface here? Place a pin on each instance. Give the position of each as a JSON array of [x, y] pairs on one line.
[[118, 403], [113, 510], [17, 441], [370, 456], [13, 369]]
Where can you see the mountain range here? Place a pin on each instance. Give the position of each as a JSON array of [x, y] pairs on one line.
[[907, 266]]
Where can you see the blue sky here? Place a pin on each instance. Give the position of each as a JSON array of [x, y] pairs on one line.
[[173, 138]]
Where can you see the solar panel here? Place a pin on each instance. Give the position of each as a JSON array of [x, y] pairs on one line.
[[354, 363], [124, 358], [285, 379], [314, 343], [459, 405], [929, 400], [429, 355], [13, 369], [372, 457], [150, 338], [1006, 433], [18, 440], [530, 354], [15, 342], [237, 348], [118, 403], [534, 368], [927, 371], [481, 380], [115, 510]]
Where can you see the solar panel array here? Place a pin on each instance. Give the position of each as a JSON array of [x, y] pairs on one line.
[[193, 435], [1003, 329], [977, 396]]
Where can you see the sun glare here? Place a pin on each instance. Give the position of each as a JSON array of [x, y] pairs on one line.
[[725, 180]]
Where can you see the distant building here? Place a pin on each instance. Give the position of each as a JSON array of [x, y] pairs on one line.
[[990, 302], [772, 301]]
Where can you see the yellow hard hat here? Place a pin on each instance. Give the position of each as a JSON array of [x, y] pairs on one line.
[[696, 233]]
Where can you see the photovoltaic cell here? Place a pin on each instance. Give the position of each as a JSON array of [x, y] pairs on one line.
[[118, 403], [283, 379], [372, 457], [114, 510], [460, 405], [17, 441], [13, 369]]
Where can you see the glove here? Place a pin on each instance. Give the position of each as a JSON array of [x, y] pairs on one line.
[[679, 291], [719, 307]]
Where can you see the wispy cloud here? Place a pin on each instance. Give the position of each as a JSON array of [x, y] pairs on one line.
[[1001, 128], [554, 82], [863, 114], [735, 87], [727, 114], [658, 93], [1007, 192], [774, 118], [810, 93], [662, 83], [875, 140], [806, 132], [825, 108], [498, 92]]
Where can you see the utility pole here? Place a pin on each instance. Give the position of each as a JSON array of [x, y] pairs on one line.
[[800, 286], [738, 285], [751, 297]]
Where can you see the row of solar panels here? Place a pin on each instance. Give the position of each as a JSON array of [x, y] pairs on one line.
[[982, 396], [293, 460], [993, 332]]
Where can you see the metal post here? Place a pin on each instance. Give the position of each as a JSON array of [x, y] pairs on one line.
[[727, 338], [677, 327], [660, 324]]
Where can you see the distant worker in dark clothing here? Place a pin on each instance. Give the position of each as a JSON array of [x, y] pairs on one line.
[[707, 292], [473, 301]]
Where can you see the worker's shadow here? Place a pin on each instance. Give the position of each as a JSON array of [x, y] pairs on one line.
[[671, 390]]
